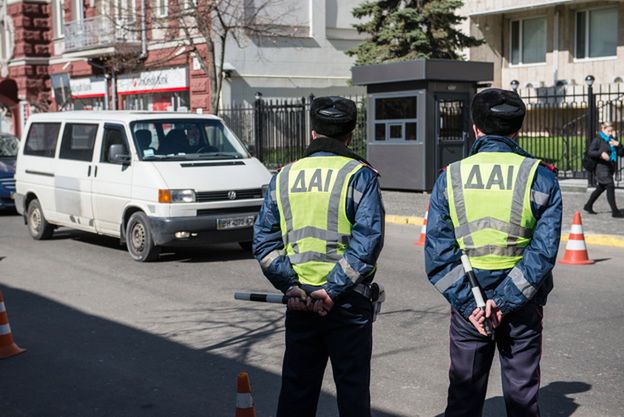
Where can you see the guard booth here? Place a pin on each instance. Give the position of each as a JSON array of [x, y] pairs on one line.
[[419, 117]]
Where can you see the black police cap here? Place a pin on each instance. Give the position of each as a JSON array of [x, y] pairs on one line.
[[333, 116], [498, 112]]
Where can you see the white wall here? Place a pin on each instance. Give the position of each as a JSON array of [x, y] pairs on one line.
[[298, 65]]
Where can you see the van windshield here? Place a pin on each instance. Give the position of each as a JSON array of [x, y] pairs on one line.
[[8, 146], [185, 139]]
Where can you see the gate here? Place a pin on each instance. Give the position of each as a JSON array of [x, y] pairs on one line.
[[452, 127]]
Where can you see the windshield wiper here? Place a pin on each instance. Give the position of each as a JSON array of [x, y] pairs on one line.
[[165, 158], [233, 155]]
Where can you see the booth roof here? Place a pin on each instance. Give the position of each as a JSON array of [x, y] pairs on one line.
[[423, 70]]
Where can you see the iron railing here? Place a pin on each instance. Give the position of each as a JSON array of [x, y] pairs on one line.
[[561, 122], [278, 130], [99, 32]]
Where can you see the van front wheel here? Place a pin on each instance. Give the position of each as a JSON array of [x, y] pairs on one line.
[[139, 239], [38, 226]]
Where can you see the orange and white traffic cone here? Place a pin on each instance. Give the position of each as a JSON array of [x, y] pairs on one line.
[[8, 347], [244, 401], [423, 229], [576, 251]]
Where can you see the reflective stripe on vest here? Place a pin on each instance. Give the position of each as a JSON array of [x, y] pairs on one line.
[[489, 201], [311, 196]]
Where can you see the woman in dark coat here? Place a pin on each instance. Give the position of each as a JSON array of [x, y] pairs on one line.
[[604, 150]]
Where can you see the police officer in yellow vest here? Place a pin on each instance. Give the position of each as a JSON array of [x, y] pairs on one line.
[[501, 208], [317, 237]]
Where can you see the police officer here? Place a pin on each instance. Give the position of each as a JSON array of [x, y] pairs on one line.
[[501, 208], [317, 237]]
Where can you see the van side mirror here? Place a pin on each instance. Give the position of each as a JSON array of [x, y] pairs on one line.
[[118, 154], [251, 148]]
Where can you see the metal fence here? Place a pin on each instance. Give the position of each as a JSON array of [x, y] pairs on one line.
[[561, 122], [278, 130]]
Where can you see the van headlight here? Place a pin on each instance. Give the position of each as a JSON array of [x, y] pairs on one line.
[[265, 190], [176, 196]]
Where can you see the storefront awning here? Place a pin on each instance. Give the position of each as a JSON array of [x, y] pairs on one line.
[[8, 92], [512, 8]]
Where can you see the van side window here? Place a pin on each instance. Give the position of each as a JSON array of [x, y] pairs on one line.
[[113, 135], [78, 141], [41, 139]]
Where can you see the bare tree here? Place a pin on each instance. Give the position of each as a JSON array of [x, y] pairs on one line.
[[206, 27]]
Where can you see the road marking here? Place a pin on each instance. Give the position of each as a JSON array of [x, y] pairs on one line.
[[590, 238]]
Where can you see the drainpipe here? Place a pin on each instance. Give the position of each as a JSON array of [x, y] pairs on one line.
[[114, 90], [556, 49], [143, 32]]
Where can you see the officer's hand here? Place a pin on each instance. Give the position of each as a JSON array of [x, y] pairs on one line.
[[323, 303], [477, 318], [614, 142], [493, 314], [605, 156], [298, 300]]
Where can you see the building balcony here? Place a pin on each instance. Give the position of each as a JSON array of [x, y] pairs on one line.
[[101, 35]]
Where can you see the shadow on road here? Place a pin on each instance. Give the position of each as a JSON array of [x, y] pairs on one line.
[[80, 365], [207, 253], [554, 400]]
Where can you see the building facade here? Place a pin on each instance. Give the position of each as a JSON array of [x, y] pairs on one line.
[[548, 43], [102, 54]]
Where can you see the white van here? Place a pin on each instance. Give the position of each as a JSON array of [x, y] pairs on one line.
[[152, 179]]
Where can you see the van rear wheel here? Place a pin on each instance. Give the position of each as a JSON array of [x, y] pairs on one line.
[[139, 239], [38, 226]]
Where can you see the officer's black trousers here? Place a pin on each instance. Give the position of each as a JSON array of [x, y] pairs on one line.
[[344, 337], [519, 343]]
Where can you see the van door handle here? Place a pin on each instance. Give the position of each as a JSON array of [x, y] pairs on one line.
[[95, 172], [89, 171]]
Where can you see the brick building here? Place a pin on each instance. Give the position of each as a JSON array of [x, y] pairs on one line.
[[114, 59]]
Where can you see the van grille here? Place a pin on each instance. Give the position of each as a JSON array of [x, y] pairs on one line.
[[206, 196], [8, 183]]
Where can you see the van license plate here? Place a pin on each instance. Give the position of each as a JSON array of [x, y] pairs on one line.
[[235, 222]]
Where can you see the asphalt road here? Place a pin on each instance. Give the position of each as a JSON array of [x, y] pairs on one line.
[[110, 337]]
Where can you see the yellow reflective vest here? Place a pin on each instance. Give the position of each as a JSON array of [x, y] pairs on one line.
[[311, 197], [489, 200]]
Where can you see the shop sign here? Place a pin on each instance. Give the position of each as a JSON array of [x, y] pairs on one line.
[[88, 87], [172, 79]]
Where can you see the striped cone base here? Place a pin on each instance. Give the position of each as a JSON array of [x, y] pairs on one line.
[[423, 230], [576, 251], [8, 347], [244, 401]]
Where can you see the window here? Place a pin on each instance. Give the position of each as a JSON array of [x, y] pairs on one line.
[[41, 139], [6, 40], [78, 10], [78, 141], [396, 118], [126, 11], [113, 135], [59, 21], [596, 33], [161, 8], [527, 41]]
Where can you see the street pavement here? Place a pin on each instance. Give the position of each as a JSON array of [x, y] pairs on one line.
[[107, 336], [414, 204]]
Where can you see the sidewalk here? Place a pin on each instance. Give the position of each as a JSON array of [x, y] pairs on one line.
[[600, 229]]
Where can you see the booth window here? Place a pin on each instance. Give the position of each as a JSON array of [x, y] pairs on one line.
[[596, 33], [528, 41], [396, 118]]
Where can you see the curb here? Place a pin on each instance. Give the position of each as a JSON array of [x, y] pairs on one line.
[[590, 239]]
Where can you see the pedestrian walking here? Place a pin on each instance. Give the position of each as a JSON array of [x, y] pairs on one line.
[[317, 237], [502, 209], [604, 151]]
